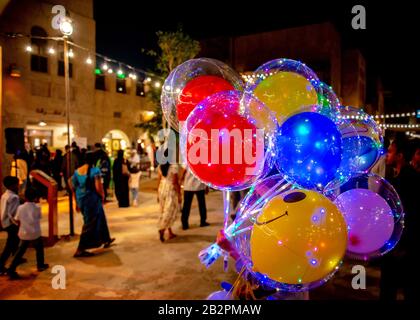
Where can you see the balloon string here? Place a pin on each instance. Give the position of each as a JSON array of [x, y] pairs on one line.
[[233, 290], [209, 255], [226, 208], [230, 231], [236, 233]]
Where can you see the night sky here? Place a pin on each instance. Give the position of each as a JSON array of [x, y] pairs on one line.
[[388, 43]]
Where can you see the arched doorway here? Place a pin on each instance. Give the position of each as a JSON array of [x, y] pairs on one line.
[[115, 140]]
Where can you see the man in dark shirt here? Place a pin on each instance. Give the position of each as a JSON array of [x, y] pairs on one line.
[[398, 268], [74, 163], [103, 162]]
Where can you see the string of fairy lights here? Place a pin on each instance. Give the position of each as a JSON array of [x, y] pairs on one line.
[[252, 77], [397, 115], [102, 63], [106, 65], [398, 126], [412, 126]]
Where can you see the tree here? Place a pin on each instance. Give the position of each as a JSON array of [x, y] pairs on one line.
[[174, 48]]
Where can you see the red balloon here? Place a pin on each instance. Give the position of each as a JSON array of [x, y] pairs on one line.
[[210, 156], [197, 90]]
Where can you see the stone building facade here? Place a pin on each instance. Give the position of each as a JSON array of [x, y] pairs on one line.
[[319, 46], [33, 82]]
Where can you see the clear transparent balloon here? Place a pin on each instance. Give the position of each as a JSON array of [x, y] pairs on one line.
[[364, 134], [235, 124], [350, 145], [191, 81], [373, 212], [309, 149], [328, 102], [241, 230], [304, 157], [288, 87]]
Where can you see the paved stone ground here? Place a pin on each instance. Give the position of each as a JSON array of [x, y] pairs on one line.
[[139, 266]]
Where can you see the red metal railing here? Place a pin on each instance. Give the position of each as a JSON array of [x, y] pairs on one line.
[[51, 184]]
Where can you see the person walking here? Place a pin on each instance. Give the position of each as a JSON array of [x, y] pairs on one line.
[[169, 198], [121, 176], [89, 197], [9, 204], [28, 156], [105, 167], [28, 216], [135, 173], [151, 153], [193, 186], [104, 164], [45, 158], [57, 164], [20, 170], [74, 163]]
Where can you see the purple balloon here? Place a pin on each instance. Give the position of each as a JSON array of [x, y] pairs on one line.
[[369, 218]]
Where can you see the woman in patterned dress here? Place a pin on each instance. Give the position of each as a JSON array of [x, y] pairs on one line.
[[169, 198]]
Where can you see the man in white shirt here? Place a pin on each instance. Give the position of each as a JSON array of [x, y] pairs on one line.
[[193, 186], [28, 216], [151, 150], [8, 206]]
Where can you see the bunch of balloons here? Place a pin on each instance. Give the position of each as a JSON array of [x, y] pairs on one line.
[[294, 227]]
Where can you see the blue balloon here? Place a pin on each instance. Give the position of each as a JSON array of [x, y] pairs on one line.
[[309, 150]]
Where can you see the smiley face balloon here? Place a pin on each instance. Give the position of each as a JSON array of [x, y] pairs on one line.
[[299, 238]]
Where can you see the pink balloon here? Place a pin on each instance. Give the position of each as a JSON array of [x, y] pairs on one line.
[[369, 219]]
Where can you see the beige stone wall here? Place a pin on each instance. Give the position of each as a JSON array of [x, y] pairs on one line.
[[40, 96], [318, 45], [128, 105]]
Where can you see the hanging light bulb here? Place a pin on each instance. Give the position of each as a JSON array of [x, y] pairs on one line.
[[28, 49], [71, 54], [104, 67], [109, 70], [157, 84], [89, 60], [119, 72], [51, 51]]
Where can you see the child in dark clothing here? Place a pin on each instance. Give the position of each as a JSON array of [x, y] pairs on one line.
[[8, 207]]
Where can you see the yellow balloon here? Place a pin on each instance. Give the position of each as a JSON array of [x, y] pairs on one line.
[[286, 93], [300, 237]]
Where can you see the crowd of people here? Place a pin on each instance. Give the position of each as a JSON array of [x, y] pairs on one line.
[[84, 173], [124, 173]]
